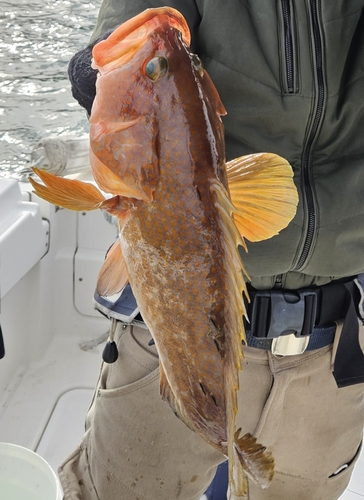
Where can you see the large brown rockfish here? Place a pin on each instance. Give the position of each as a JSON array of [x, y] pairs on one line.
[[157, 146]]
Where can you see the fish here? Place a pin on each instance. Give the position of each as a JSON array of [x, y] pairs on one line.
[[157, 154]]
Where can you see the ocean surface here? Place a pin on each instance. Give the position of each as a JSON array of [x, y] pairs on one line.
[[37, 40]]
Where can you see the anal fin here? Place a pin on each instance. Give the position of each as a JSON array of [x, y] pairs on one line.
[[113, 275]]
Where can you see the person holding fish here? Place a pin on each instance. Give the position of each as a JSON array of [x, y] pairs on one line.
[[281, 393]]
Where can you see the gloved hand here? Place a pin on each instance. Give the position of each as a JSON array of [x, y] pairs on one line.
[[82, 76]]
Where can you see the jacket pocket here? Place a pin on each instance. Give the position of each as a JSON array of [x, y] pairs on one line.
[[288, 47]]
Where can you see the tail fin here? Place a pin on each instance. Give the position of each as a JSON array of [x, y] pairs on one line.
[[250, 459]]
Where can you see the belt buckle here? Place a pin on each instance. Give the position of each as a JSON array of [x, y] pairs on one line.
[[286, 317], [289, 345]]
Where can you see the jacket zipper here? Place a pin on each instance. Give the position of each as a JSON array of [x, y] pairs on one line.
[[311, 212], [288, 45], [290, 71]]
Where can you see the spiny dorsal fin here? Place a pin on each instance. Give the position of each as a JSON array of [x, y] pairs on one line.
[[67, 193], [234, 324], [263, 194], [113, 275], [244, 453]]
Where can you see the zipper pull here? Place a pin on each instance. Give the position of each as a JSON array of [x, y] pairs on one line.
[[110, 353]]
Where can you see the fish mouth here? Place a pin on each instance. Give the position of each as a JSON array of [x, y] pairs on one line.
[[127, 39]]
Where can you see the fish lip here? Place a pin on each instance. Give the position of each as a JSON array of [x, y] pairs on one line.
[[127, 39]]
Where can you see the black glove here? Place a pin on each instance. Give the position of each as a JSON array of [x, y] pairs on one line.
[[82, 76]]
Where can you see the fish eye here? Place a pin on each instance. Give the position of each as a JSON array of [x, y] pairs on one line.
[[197, 63], [156, 68]]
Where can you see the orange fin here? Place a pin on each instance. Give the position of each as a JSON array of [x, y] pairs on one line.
[[113, 275], [263, 193], [254, 460], [67, 193]]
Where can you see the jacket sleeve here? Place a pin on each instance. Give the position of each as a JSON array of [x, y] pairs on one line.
[[114, 12]]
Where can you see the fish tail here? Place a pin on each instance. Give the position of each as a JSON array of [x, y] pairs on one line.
[[250, 459], [66, 193]]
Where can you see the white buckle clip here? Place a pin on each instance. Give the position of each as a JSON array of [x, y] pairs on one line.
[[289, 345]]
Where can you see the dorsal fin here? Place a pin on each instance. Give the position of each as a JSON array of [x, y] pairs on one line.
[[244, 453], [263, 194], [113, 275], [234, 324]]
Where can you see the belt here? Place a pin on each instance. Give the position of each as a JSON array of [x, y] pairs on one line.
[[293, 321], [321, 336]]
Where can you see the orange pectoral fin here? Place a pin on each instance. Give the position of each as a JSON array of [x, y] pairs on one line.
[[66, 193], [263, 193], [113, 275]]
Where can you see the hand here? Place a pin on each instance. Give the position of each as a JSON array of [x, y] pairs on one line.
[[82, 76]]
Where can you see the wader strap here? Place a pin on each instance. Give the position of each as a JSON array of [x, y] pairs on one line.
[[2, 347], [349, 359]]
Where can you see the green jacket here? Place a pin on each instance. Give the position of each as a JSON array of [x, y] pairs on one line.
[[291, 76]]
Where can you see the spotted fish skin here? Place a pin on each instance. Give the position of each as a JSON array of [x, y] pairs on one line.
[[157, 146]]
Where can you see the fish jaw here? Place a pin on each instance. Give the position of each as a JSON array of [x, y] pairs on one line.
[[126, 40]]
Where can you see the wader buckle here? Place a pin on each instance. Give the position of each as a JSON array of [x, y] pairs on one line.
[[285, 316]]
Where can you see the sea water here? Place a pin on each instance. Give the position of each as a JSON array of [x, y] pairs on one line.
[[37, 40]]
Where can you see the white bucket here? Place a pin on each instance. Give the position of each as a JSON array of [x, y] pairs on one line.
[[25, 475]]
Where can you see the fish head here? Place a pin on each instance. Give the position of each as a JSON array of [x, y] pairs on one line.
[[147, 77]]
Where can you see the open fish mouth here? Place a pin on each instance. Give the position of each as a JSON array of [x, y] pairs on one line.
[[120, 47]]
